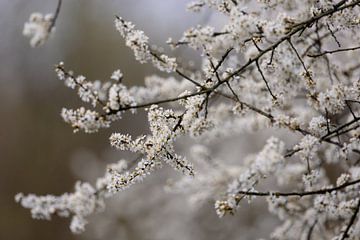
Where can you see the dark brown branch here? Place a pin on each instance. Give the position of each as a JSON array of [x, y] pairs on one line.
[[255, 44], [352, 220], [346, 131], [333, 34], [292, 152], [299, 57], [336, 130], [179, 43], [234, 93], [315, 42], [56, 15], [178, 71], [327, 121], [251, 107], [272, 56], [334, 51], [350, 109], [311, 229], [264, 79], [144, 105], [223, 59], [301, 194]]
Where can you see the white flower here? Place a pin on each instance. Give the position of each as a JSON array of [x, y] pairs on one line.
[[38, 28], [318, 125], [307, 147], [117, 75], [333, 100], [87, 120]]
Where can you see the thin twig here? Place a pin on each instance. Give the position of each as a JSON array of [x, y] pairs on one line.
[[311, 229], [56, 15], [264, 79], [300, 194], [334, 51], [333, 34], [352, 220]]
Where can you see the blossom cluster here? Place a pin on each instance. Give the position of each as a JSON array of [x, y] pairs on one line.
[[139, 43], [84, 201], [38, 28], [268, 161]]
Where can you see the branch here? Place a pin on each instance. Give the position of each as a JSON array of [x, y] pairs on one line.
[[299, 57], [56, 15], [334, 51], [178, 71], [300, 194], [311, 229], [336, 130], [264, 79], [144, 105], [352, 220]]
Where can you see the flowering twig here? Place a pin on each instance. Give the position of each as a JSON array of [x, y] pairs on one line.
[[334, 51], [300, 194]]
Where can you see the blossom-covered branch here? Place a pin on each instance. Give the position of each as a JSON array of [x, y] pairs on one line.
[[263, 71]]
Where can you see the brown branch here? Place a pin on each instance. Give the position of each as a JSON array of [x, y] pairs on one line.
[[334, 51], [311, 229], [56, 15], [264, 79], [223, 59], [178, 71], [352, 220], [336, 130], [179, 43], [272, 56], [315, 42], [333, 35], [300, 194], [144, 105], [299, 57]]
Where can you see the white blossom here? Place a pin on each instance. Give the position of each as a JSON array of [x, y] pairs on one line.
[[87, 120], [117, 75], [139, 43], [268, 161], [38, 28], [333, 100], [318, 125], [307, 147]]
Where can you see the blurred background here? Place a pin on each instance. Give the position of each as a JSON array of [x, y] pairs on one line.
[[40, 154]]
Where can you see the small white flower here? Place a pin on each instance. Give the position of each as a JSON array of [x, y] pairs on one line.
[[117, 75], [38, 28]]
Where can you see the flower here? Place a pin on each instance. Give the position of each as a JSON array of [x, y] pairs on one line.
[[39, 28]]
